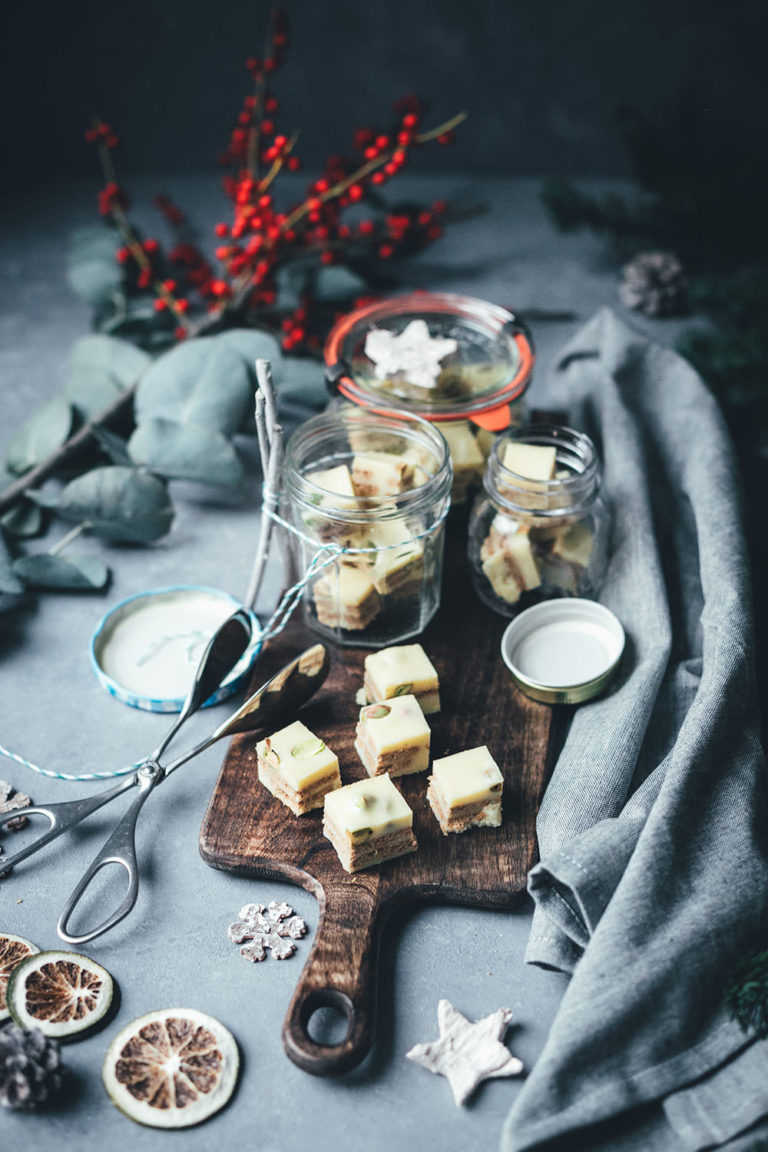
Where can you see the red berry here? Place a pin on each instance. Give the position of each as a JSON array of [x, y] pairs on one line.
[[160, 305], [222, 230], [385, 251], [180, 332]]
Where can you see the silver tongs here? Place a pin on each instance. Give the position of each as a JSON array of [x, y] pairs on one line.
[[286, 691]]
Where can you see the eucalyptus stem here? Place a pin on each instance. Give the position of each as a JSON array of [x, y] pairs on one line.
[[59, 456], [69, 537]]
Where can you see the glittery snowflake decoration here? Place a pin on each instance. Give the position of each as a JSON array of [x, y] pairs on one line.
[[10, 801], [414, 353], [274, 927]]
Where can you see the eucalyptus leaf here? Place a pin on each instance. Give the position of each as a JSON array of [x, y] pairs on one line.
[[10, 585], [43, 499], [114, 446], [134, 318], [95, 280], [44, 432], [118, 503], [92, 390], [25, 519], [186, 452], [303, 382], [204, 381], [93, 242], [335, 282], [77, 573], [116, 358], [252, 345]]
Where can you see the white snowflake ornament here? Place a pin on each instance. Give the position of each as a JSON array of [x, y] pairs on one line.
[[274, 927], [414, 353], [467, 1051]]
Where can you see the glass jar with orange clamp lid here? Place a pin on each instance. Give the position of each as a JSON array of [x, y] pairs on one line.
[[461, 363]]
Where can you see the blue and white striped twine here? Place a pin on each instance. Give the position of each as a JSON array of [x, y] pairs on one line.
[[288, 602]]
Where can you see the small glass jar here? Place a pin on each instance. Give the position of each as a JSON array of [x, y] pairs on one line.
[[532, 540], [367, 494], [466, 369]]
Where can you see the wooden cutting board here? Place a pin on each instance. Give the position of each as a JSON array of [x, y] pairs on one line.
[[245, 830]]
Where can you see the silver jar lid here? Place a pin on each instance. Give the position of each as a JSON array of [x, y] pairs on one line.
[[563, 651]]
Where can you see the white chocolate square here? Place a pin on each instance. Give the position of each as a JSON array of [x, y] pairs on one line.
[[465, 452], [337, 480], [468, 777], [574, 544], [394, 726], [402, 669], [298, 755], [533, 461], [381, 474], [373, 804]]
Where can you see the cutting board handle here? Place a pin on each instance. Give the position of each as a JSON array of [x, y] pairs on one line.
[[339, 974]]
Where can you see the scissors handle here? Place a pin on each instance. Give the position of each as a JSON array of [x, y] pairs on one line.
[[61, 818], [120, 849]]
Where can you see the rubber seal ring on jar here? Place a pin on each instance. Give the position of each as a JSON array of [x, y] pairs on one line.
[[334, 373]]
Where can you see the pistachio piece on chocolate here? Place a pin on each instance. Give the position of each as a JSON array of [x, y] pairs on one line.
[[375, 712], [307, 748]]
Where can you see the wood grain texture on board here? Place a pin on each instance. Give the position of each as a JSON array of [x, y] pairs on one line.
[[246, 830]]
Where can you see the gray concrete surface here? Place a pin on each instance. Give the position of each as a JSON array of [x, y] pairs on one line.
[[173, 950]]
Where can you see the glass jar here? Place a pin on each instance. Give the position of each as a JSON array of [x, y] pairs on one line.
[[367, 494], [532, 540], [459, 362]]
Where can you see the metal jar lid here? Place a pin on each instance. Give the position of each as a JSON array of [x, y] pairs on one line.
[[146, 649], [490, 368], [563, 651]]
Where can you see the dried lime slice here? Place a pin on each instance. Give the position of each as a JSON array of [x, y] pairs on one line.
[[61, 993], [13, 949], [172, 1068]]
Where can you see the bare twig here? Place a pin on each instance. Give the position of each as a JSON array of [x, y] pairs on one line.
[[261, 432], [264, 377], [271, 500]]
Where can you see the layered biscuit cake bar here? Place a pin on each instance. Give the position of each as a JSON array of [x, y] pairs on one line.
[[404, 669], [368, 822], [345, 597], [393, 736], [465, 791], [297, 767]]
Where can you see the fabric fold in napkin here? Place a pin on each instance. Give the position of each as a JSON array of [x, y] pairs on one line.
[[653, 832]]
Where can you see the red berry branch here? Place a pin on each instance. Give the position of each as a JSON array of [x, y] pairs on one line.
[[262, 239]]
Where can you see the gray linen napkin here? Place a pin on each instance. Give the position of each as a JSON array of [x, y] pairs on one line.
[[654, 828]]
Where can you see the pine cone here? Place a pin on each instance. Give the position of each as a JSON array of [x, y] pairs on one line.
[[30, 1067], [654, 283]]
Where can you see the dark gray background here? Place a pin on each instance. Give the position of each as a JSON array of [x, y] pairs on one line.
[[542, 81]]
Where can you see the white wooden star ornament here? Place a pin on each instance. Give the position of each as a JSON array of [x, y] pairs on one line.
[[414, 353], [467, 1051]]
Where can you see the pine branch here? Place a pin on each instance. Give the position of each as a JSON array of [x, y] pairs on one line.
[[746, 996]]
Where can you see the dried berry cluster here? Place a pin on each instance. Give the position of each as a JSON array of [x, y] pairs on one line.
[[262, 237]]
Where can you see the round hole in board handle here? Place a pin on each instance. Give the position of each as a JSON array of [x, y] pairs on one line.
[[335, 1014]]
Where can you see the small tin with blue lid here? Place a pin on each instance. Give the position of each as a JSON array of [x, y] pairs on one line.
[[146, 649]]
